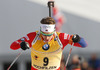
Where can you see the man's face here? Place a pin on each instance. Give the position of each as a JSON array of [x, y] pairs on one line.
[[47, 31], [47, 38]]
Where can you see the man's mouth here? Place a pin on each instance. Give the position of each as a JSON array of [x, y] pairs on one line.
[[46, 40]]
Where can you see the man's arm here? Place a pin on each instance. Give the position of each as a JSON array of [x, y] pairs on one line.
[[77, 40], [27, 40], [67, 39]]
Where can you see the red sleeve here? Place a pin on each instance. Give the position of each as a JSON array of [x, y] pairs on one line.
[[67, 39], [28, 38], [64, 38]]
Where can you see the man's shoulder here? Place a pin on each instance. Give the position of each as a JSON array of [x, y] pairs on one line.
[[32, 33], [61, 34]]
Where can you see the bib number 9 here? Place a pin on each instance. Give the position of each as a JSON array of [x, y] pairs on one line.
[[46, 61]]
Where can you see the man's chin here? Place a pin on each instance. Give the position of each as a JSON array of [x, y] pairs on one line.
[[46, 40]]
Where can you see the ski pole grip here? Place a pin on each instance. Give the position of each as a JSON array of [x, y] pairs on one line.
[[50, 5]]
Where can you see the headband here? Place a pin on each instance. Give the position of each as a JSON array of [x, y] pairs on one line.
[[47, 28]]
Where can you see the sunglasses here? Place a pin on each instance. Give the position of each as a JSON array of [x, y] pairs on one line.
[[46, 34]]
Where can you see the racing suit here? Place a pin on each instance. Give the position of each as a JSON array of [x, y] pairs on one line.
[[46, 59]]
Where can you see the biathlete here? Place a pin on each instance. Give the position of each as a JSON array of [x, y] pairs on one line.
[[47, 45]]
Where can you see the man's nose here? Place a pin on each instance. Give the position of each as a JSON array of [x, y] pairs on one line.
[[47, 37]]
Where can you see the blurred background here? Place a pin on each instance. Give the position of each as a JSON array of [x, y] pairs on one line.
[[19, 17]]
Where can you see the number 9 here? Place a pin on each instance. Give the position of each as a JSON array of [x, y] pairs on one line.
[[46, 61]]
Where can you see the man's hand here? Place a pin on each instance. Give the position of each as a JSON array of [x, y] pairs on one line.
[[75, 38], [24, 45]]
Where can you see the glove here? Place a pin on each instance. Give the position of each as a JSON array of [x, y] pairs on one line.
[[24, 45], [76, 38]]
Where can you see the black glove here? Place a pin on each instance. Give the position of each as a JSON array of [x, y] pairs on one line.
[[76, 38], [24, 45]]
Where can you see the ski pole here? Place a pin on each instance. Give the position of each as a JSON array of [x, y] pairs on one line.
[[68, 56], [15, 60]]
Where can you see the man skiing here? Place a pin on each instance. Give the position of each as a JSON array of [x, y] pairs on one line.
[[46, 45]]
